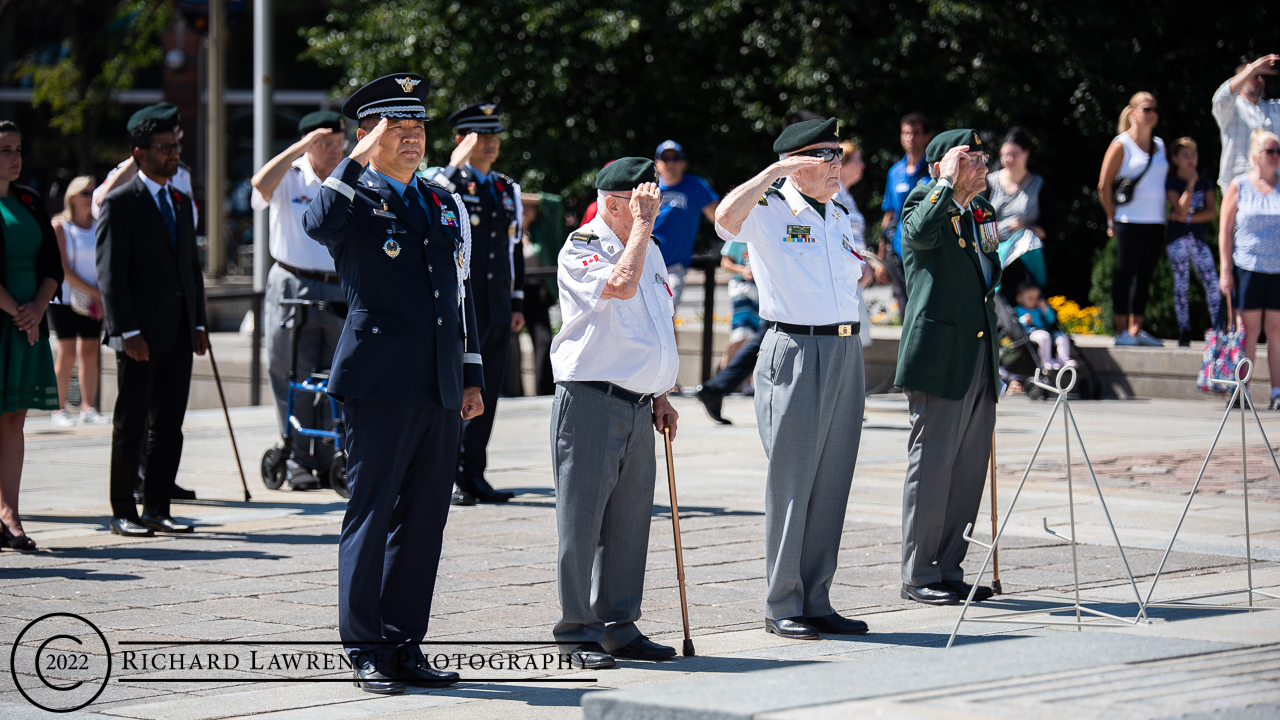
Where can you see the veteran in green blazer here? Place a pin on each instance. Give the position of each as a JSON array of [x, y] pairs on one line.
[[947, 364]]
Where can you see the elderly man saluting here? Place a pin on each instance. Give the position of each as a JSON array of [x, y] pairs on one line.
[[613, 360], [947, 365], [809, 378]]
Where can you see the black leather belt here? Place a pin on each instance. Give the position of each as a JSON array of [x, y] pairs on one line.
[[324, 277], [840, 330], [609, 388]]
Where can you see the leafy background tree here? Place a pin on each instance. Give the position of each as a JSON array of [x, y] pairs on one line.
[[584, 82]]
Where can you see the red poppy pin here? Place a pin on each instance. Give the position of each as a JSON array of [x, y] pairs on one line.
[[26, 199], [979, 215]]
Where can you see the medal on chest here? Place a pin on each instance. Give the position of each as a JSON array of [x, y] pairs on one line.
[[848, 247], [448, 218], [391, 248]]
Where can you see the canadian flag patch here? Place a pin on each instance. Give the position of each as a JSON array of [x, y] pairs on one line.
[[588, 261]]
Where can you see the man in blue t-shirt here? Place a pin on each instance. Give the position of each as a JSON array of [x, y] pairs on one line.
[[684, 199], [903, 176]]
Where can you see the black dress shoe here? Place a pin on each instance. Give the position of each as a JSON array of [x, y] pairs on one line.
[[961, 589], [181, 493], [795, 628], [837, 625], [130, 528], [423, 675], [461, 498], [165, 524], [712, 400], [591, 657], [372, 680], [931, 594], [642, 648], [484, 492]]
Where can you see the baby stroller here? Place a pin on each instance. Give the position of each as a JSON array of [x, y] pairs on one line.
[[1019, 359], [313, 438]]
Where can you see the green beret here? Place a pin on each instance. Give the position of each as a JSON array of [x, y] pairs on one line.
[[809, 132], [159, 111], [625, 174], [320, 119], [949, 139]]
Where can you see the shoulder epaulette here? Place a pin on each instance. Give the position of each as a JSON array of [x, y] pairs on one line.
[[583, 237], [655, 240], [184, 166], [501, 176], [432, 182], [774, 189], [838, 204]]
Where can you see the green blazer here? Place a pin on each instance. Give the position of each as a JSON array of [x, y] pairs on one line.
[[951, 309]]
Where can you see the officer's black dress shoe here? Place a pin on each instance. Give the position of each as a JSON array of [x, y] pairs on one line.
[[591, 657], [372, 680], [796, 628], [712, 400], [181, 493], [129, 528], [835, 624], [165, 524], [931, 594], [427, 677], [483, 492], [642, 648], [461, 498], [961, 589]]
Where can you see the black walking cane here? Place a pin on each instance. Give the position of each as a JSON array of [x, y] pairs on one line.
[[675, 526], [218, 380]]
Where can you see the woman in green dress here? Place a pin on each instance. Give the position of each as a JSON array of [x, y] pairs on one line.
[[30, 276]]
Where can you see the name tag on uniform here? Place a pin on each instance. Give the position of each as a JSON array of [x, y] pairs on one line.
[[471, 198], [384, 213], [799, 233], [449, 218]]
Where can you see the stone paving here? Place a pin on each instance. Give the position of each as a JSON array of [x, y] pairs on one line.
[[263, 572]]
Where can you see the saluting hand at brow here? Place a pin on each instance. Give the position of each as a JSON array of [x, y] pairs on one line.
[[646, 200]]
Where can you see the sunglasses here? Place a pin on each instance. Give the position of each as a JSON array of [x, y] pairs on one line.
[[1270, 151], [670, 158], [827, 154]]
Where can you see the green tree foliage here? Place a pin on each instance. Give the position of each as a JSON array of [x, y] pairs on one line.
[[585, 81], [97, 60]]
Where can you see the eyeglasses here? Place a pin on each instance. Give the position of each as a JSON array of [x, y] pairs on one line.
[[168, 148], [827, 154], [975, 159], [340, 143]]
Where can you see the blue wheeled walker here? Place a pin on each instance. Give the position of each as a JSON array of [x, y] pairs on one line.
[[330, 472]]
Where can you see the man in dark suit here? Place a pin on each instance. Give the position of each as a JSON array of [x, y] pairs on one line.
[[153, 294], [947, 365], [497, 273], [408, 371]]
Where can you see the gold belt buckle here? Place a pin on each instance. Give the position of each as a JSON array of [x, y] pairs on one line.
[[845, 330]]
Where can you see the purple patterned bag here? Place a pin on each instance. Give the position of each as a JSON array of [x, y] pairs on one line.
[[1222, 350]]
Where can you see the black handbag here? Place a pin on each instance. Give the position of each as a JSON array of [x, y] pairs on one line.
[[1122, 190]]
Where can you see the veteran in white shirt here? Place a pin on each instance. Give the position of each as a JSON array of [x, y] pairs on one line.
[[303, 269], [809, 379], [613, 361]]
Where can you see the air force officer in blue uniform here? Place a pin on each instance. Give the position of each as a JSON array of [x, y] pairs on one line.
[[408, 370]]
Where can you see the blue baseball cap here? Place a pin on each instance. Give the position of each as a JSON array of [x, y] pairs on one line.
[[668, 145]]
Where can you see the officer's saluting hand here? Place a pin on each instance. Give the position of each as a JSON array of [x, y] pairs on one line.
[[408, 370]]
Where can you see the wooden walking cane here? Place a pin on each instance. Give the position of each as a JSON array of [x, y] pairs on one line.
[[995, 551], [217, 379], [675, 528]]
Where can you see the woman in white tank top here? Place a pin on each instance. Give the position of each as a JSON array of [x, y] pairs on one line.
[[75, 228], [1137, 225]]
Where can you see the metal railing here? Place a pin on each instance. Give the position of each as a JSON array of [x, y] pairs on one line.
[[255, 362]]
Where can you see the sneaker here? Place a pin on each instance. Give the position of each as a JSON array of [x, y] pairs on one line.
[[1146, 339], [1124, 338], [1068, 363], [91, 416], [62, 418]]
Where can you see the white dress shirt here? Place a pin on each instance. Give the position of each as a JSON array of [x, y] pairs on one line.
[[1237, 118], [630, 343], [153, 189], [806, 267], [289, 243]]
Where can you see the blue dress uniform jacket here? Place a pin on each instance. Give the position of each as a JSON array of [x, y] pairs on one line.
[[497, 264], [405, 338]]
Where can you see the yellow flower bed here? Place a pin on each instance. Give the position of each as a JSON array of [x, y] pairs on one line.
[[1077, 320]]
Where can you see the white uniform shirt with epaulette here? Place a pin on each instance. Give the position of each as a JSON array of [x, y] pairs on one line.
[[630, 343], [290, 244], [181, 181], [806, 267]]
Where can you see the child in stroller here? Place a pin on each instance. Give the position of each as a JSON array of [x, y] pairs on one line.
[[1041, 326]]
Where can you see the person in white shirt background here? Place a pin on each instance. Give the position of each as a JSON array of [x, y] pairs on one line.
[[851, 168], [1239, 108], [810, 384], [77, 323], [303, 268]]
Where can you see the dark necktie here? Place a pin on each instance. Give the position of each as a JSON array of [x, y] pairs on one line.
[[166, 211], [493, 191], [416, 212]]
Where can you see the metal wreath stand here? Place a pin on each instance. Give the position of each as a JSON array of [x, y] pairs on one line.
[[1012, 617], [1243, 371]]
